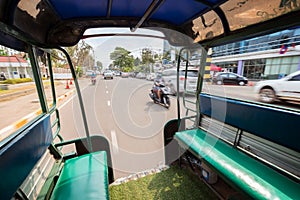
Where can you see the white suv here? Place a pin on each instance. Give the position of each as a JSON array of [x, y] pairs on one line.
[[169, 76], [286, 88]]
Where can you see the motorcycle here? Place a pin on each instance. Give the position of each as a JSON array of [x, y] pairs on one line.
[[165, 91], [93, 79]]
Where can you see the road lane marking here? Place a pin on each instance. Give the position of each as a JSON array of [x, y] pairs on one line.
[[108, 103], [63, 105], [106, 91], [114, 141]]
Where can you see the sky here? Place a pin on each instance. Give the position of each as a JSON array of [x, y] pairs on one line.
[[105, 45]]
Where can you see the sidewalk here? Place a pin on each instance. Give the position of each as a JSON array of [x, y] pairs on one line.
[[22, 89], [21, 104]]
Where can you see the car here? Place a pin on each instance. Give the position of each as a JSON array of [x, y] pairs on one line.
[[229, 78], [124, 74], [108, 74], [150, 77], [141, 75], [117, 73], [89, 73], [285, 89], [169, 76]]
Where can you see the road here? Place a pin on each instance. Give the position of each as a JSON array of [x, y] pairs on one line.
[[121, 110]]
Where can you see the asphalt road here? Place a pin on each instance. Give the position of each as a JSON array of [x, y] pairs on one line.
[[121, 110]]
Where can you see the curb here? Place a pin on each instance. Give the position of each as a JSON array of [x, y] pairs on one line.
[[140, 175]]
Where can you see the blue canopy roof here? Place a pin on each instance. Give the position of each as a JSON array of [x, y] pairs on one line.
[[53, 23]]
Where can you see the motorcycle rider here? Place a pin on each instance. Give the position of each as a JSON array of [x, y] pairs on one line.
[[157, 89], [93, 76]]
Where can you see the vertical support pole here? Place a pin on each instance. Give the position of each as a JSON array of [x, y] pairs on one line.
[[207, 75], [50, 71], [201, 75], [37, 78], [90, 148], [240, 67]]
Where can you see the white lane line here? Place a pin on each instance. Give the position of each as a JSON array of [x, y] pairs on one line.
[[114, 141], [108, 103], [61, 106], [106, 92]]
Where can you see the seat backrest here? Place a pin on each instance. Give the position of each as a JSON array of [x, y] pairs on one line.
[[19, 155], [273, 124]]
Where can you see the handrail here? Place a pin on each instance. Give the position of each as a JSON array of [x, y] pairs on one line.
[[153, 6], [90, 148]]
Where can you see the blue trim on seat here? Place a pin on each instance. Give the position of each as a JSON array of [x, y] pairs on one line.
[[277, 125], [20, 155]]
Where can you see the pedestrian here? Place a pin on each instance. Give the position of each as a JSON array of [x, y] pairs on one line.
[[2, 76]]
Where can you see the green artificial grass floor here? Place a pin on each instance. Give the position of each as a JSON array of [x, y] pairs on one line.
[[173, 184]]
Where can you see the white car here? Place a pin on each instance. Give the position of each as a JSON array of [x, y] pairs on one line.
[[150, 77], [89, 73], [169, 76], [286, 88], [108, 74]]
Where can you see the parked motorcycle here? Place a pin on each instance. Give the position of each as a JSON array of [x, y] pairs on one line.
[[165, 91]]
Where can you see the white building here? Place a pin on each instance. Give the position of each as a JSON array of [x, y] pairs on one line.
[[15, 67]]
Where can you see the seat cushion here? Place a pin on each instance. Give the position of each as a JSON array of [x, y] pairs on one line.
[[253, 177], [83, 177]]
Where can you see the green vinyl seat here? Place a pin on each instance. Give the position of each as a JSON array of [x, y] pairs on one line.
[[83, 177], [253, 177]]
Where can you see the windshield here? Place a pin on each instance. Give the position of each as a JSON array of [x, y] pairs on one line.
[[120, 107]]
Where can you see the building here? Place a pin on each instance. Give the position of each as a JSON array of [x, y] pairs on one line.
[[15, 67], [266, 57]]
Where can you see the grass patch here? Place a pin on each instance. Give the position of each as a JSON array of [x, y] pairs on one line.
[[172, 184], [17, 80]]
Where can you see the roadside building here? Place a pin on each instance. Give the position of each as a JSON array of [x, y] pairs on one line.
[[15, 67], [267, 57]]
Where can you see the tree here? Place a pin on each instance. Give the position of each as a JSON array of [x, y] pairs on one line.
[[80, 55], [122, 60], [3, 52], [166, 55], [147, 58], [99, 64], [137, 61]]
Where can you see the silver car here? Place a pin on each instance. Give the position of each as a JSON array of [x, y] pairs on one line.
[[169, 76]]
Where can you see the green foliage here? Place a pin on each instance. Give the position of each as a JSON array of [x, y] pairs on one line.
[[174, 183], [80, 54], [79, 71], [167, 55], [147, 56], [137, 61], [17, 80], [99, 64], [3, 52], [122, 60]]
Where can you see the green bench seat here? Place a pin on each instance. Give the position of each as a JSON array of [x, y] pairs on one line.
[[83, 177], [253, 177]]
